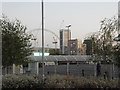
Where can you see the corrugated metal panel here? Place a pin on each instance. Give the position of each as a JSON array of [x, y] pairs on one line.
[[60, 58]]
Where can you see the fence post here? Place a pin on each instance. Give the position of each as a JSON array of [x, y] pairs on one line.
[[56, 67], [56, 63], [37, 68], [67, 68], [113, 71], [98, 68], [83, 73], [13, 68], [95, 69]]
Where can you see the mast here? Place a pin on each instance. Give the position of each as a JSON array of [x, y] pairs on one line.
[[43, 40]]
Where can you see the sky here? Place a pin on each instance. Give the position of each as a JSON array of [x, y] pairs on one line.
[[84, 17]]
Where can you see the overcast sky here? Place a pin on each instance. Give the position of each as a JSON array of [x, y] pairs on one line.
[[84, 17]]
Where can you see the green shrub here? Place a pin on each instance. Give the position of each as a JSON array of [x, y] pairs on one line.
[[13, 81], [56, 81]]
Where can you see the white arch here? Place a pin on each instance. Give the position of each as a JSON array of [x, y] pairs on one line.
[[45, 30]]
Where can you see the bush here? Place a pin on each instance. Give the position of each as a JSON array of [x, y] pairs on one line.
[[13, 81], [56, 81]]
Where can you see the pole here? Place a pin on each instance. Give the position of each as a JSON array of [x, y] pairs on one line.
[[113, 71], [43, 41], [118, 43], [37, 68], [68, 68]]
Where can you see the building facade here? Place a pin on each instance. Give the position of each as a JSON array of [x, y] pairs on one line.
[[65, 35], [83, 49], [88, 47], [75, 47]]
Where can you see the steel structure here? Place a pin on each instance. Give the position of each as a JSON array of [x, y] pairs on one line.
[[44, 30], [54, 58], [35, 36]]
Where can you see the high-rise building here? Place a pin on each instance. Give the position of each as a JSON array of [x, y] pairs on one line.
[[88, 47], [65, 35]]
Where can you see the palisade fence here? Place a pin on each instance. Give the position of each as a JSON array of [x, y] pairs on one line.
[[85, 70], [79, 69], [79, 66], [71, 65]]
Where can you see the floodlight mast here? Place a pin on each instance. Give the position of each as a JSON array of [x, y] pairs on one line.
[[68, 26], [43, 76]]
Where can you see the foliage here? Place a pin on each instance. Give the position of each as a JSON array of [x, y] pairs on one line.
[[117, 54], [12, 81], [54, 52], [108, 29], [16, 44], [56, 81], [103, 40]]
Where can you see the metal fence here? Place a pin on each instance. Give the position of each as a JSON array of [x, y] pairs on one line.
[[85, 70], [79, 69]]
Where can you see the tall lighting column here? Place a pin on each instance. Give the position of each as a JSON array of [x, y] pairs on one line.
[[43, 76]]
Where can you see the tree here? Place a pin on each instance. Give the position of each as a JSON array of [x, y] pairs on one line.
[[104, 44], [108, 30], [103, 40], [16, 46]]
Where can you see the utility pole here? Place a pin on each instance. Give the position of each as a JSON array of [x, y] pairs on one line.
[[43, 76], [55, 42]]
